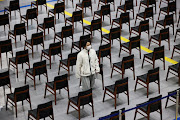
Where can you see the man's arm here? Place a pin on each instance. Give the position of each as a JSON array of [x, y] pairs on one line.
[[96, 63], [78, 66]]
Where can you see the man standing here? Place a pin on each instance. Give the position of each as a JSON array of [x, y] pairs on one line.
[[87, 66]]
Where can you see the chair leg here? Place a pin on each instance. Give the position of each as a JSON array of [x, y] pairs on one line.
[[159, 14], [136, 84], [173, 52], [167, 74], [79, 112], [135, 114], [104, 94], [147, 90], [68, 107], [92, 108], [149, 43], [143, 62], [55, 96], [155, 28], [115, 101], [175, 36], [45, 91], [59, 68], [159, 86], [120, 51], [34, 83], [167, 102], [16, 108], [112, 71]]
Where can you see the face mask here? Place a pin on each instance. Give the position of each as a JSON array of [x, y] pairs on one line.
[[88, 47]]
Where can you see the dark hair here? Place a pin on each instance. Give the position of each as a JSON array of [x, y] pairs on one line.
[[85, 42]]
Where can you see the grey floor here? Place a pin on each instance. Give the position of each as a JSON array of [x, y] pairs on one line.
[[101, 108]]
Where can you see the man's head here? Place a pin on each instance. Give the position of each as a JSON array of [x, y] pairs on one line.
[[87, 45]]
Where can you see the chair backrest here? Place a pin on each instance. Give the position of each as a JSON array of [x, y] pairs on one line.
[[85, 97], [149, 12], [14, 5], [4, 19], [128, 62], [5, 46], [124, 18], [55, 48], [172, 6], [59, 7], [156, 105], [83, 39], [115, 33], [77, 16], [86, 3], [134, 42], [21, 93], [164, 34], [153, 75], [20, 29], [117, 117], [144, 25], [121, 85], [41, 2], [39, 68], [72, 57], [44, 110], [96, 24], [128, 5], [104, 50], [158, 52], [61, 81], [31, 13], [105, 9], [4, 78], [22, 57], [169, 20], [49, 22], [67, 31], [37, 38]]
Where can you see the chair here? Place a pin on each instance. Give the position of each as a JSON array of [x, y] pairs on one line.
[[175, 49], [5, 47], [19, 29], [120, 86], [124, 18], [126, 63], [177, 33], [175, 70], [143, 27], [79, 44], [85, 4], [58, 8], [48, 23], [21, 57], [166, 1], [4, 20], [105, 10], [145, 79], [5, 80], [152, 107], [162, 36], [133, 43], [77, 16], [38, 69], [39, 2], [157, 54], [105, 2], [66, 63], [95, 25], [13, 6], [147, 3], [67, 31], [36, 39], [54, 49], [115, 33], [82, 99], [171, 8], [127, 7], [20, 94], [163, 23], [148, 13], [58, 83], [43, 110], [104, 51]]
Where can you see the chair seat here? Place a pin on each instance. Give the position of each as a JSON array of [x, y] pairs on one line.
[[88, 27], [144, 108], [33, 113], [117, 20], [79, 4], [141, 14], [126, 45], [106, 36], [69, 19], [40, 25], [118, 64], [98, 12], [58, 34], [121, 7], [178, 30], [142, 77], [177, 46], [165, 9], [6, 8], [174, 67], [46, 51], [76, 44], [23, 16], [65, 61], [11, 96], [74, 100], [11, 31], [51, 10], [144, 2], [156, 37], [102, 1], [30, 71], [13, 59], [28, 41], [50, 84], [136, 28], [161, 22], [34, 2], [149, 55], [110, 88]]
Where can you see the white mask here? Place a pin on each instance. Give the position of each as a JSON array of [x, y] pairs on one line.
[[88, 47]]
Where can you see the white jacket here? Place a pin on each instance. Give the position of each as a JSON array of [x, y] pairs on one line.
[[82, 63]]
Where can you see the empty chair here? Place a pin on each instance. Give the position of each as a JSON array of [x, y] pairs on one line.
[[67, 31], [43, 110], [165, 1], [39, 68], [39, 2], [48, 23], [147, 3], [124, 18], [19, 29], [157, 54], [162, 36], [5, 47], [5, 80], [127, 7], [58, 8], [82, 99], [163, 23], [95, 25], [31, 14], [58, 83], [133, 43], [126, 63], [152, 107], [105, 2], [105, 10], [120, 86], [21, 58], [83, 5], [175, 49], [143, 27], [36, 39], [54, 49], [20, 94], [13, 6], [145, 79], [177, 33], [4, 20]]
